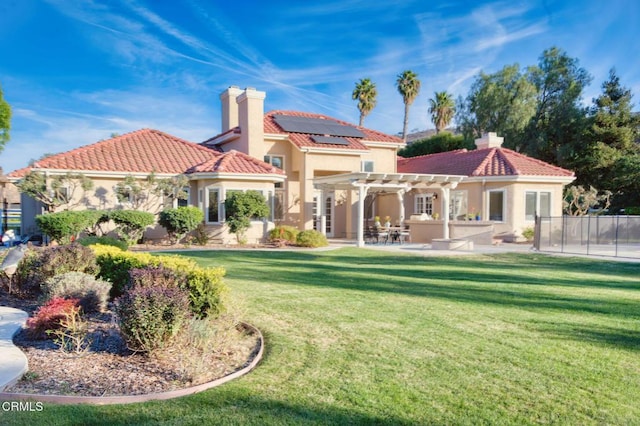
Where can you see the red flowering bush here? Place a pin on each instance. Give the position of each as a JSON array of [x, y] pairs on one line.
[[50, 315]]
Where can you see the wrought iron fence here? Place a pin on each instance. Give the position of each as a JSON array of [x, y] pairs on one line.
[[617, 236]]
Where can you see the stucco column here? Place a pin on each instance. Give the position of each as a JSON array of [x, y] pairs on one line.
[[401, 201], [362, 194], [323, 212], [445, 212]]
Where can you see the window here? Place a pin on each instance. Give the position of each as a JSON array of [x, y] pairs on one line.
[[275, 161], [423, 204], [187, 196], [496, 206], [213, 205], [366, 166], [278, 205], [537, 202], [370, 207], [458, 205]]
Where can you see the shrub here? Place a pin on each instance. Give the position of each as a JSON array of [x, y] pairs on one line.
[[49, 316], [200, 235], [65, 226], [115, 265], [37, 266], [632, 211], [205, 285], [149, 317], [240, 208], [104, 240], [311, 238], [206, 291], [92, 293], [131, 224], [283, 233], [180, 221], [150, 276], [528, 233]]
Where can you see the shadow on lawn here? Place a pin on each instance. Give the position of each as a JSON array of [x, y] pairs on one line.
[[605, 336], [227, 405], [506, 280]]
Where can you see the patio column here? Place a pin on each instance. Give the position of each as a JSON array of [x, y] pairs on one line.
[[362, 194], [401, 201], [445, 212], [323, 212]]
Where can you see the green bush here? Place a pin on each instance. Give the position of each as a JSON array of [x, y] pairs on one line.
[[131, 224], [632, 211], [63, 227], [180, 221], [149, 317], [205, 285], [90, 240], [206, 291], [528, 233], [240, 208], [92, 293], [284, 233], [311, 238], [38, 265]]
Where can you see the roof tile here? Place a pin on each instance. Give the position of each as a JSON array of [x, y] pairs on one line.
[[480, 162]]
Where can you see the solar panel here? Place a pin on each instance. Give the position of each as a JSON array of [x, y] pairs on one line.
[[316, 126], [329, 140]]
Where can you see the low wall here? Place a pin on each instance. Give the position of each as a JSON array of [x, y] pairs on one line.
[[425, 231], [480, 232]]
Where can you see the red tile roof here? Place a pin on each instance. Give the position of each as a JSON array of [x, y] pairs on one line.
[[480, 162], [304, 139], [144, 151], [235, 162]]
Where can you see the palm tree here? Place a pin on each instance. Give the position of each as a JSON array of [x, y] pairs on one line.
[[366, 93], [442, 110], [408, 85]]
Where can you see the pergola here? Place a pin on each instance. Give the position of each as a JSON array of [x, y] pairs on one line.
[[399, 183]]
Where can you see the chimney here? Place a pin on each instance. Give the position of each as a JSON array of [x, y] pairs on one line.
[[251, 121], [489, 140], [229, 108]]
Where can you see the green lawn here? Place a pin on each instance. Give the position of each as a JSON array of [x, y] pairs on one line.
[[365, 337]]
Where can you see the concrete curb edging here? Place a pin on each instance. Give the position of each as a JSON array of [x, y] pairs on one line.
[[108, 400], [14, 362]]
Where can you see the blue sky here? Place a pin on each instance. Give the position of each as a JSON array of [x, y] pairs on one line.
[[76, 71]]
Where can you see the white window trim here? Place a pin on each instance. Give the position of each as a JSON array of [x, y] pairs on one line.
[[222, 212], [363, 164], [207, 189], [268, 159], [426, 197], [452, 204], [537, 207], [186, 189], [504, 205]]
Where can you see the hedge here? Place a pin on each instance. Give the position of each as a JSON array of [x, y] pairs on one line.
[[205, 285]]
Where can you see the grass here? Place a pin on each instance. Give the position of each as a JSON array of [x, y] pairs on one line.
[[364, 337]]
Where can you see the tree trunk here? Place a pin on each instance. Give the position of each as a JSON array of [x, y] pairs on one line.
[[406, 122]]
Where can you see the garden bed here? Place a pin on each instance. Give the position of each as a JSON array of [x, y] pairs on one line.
[[108, 368]]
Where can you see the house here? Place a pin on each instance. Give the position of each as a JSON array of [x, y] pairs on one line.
[[502, 187], [321, 173]]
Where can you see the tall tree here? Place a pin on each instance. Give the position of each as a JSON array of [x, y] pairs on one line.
[[442, 109], [502, 102], [609, 154], [366, 95], [408, 86], [5, 121], [554, 132]]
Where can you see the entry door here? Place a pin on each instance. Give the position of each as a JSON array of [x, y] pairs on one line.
[[329, 211]]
